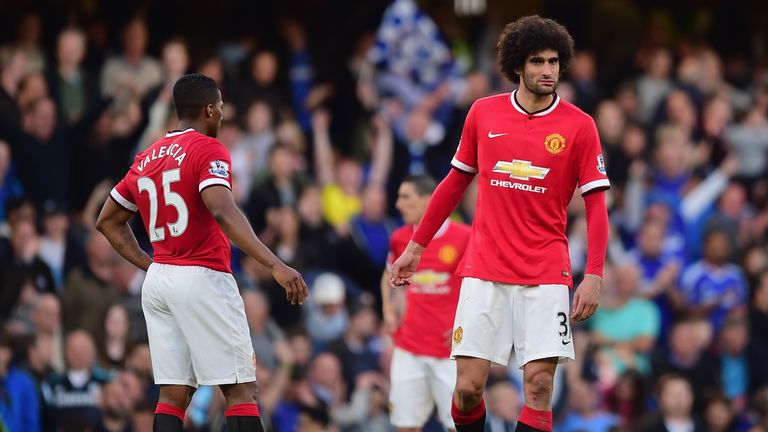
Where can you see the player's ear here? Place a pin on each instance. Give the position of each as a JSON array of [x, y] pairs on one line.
[[208, 111]]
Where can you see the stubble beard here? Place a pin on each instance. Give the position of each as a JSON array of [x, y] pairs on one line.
[[531, 85]]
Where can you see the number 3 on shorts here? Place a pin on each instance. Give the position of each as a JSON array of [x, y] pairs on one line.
[[563, 318]]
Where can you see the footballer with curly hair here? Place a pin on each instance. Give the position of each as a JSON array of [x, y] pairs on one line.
[[530, 150]]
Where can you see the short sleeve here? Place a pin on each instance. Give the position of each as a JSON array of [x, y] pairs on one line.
[[591, 165], [121, 194], [214, 167], [465, 158]]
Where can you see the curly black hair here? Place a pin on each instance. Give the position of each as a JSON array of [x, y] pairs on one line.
[[528, 35], [192, 92]]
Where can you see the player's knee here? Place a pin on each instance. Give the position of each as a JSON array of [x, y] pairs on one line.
[[539, 385], [469, 387]]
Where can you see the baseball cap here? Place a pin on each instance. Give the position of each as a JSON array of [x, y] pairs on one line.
[[328, 288]]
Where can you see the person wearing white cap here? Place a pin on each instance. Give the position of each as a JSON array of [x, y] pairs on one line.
[[326, 315]]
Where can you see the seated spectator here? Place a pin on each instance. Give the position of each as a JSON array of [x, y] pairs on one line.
[[659, 271], [10, 186], [313, 419], [74, 88], [758, 311], [279, 188], [74, 396], [321, 245], [264, 331], [326, 380], [158, 102], [139, 363], [133, 71], [112, 345], [359, 348], [58, 247], [88, 292], [371, 229], [116, 407], [325, 316], [251, 152], [503, 406], [675, 397], [46, 320], [688, 357], [23, 275], [261, 82], [584, 413], [720, 416], [628, 398], [128, 278], [19, 406], [624, 328], [742, 360], [713, 286]]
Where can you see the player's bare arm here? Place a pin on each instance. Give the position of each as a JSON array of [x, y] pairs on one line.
[[113, 223], [221, 204], [389, 308]]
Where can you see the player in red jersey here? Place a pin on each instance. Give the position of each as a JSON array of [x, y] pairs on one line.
[[198, 334], [530, 150], [422, 374]]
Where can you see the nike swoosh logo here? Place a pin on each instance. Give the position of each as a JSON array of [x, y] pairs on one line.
[[493, 135], [565, 343]]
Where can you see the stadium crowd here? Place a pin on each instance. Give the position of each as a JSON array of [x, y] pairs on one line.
[[320, 142]]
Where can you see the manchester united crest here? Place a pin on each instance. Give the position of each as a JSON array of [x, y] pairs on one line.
[[554, 143], [448, 254], [458, 334]]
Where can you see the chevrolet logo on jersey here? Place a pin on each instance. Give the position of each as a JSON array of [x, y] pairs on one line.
[[520, 170], [430, 277]]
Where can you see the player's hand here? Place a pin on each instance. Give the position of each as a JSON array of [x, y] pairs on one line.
[[586, 298], [405, 266], [296, 290]]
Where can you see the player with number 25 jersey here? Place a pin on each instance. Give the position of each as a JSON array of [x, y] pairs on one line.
[[164, 183]]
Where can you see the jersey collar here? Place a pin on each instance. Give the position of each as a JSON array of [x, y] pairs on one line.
[[174, 133], [541, 112]]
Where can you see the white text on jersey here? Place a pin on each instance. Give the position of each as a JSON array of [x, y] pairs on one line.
[[172, 151], [521, 186]]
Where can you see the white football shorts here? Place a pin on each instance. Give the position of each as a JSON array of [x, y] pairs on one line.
[[418, 385], [493, 318], [198, 333]]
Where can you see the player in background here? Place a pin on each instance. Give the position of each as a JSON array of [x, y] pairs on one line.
[[198, 334], [530, 150], [422, 374]]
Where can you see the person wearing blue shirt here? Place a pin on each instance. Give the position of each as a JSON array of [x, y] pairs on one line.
[[19, 409], [712, 287], [583, 413]]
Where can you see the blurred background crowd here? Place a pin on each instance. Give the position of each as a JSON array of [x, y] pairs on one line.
[[328, 105]]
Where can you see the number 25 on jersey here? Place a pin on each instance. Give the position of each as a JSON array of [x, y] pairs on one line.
[[170, 198]]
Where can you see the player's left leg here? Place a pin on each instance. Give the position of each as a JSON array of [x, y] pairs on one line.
[[242, 413], [538, 378], [542, 340], [169, 414]]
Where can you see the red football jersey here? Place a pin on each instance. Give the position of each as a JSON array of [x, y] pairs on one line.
[[432, 296], [164, 185], [528, 166]]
